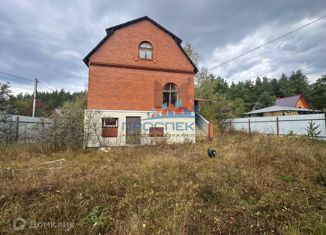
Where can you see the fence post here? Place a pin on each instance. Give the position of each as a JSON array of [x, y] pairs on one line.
[[249, 127], [277, 126], [210, 131], [325, 121], [17, 129]]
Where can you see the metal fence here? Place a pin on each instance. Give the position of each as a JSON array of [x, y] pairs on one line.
[[280, 125], [22, 128]]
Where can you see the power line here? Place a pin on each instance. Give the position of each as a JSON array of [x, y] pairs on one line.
[[42, 84], [26, 78], [16, 76], [36, 81], [267, 43]]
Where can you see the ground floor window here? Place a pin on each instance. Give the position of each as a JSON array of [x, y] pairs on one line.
[[110, 127], [110, 122], [156, 132]]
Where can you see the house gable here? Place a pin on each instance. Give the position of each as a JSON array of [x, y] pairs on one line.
[[297, 101], [120, 47], [119, 80], [302, 103]]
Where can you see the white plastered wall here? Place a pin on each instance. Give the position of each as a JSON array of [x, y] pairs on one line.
[[176, 129]]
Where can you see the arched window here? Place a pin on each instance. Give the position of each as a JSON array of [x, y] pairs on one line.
[[170, 94], [145, 51]]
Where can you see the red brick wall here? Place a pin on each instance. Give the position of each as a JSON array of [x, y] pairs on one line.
[[127, 89], [133, 89]]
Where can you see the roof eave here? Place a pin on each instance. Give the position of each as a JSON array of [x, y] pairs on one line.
[[87, 57], [279, 109], [113, 28]]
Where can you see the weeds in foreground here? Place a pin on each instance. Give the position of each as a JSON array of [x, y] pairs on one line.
[[257, 184]]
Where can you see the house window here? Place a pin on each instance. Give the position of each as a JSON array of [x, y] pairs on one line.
[[145, 51], [156, 132], [170, 94], [109, 122], [110, 127]]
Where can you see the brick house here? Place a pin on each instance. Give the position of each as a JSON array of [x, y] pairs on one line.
[[140, 87]]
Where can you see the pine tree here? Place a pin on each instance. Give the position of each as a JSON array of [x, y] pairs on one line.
[[312, 130]]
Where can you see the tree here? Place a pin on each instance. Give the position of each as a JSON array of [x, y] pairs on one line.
[[258, 82], [67, 131], [318, 93], [192, 54], [200, 77], [312, 130], [68, 128], [5, 94], [218, 107], [46, 102], [245, 91], [299, 83], [6, 126], [221, 85], [284, 86], [275, 88], [265, 100], [239, 107]]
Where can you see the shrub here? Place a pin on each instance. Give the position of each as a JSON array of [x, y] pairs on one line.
[[67, 131], [321, 179], [312, 130]]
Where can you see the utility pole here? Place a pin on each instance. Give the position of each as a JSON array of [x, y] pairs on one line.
[[34, 97]]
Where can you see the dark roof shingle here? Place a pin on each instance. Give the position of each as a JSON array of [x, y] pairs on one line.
[[290, 101]]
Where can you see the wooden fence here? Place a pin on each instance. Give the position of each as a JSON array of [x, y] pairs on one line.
[[280, 125]]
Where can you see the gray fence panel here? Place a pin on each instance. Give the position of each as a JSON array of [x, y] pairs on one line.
[[25, 128], [282, 125], [298, 124]]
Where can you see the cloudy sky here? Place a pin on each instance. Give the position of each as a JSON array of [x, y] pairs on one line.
[[48, 39]]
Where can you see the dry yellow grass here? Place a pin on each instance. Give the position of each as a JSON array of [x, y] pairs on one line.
[[256, 185]]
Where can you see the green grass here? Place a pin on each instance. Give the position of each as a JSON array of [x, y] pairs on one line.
[[256, 185]]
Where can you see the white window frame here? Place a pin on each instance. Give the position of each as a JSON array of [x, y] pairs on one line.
[[146, 48]]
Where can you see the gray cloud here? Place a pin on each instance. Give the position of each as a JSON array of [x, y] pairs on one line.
[[48, 39]]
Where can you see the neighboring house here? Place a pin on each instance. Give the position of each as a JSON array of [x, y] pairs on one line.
[[293, 105], [297, 101], [279, 111], [140, 87]]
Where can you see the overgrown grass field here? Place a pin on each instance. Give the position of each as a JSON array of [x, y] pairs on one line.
[[256, 185]]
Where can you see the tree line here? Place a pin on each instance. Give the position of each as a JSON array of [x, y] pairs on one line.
[[46, 102], [234, 99], [229, 100]]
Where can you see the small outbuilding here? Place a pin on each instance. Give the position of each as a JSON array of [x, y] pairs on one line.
[[280, 111], [297, 101]]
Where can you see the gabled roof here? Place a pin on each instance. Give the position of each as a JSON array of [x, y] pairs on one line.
[[110, 31], [290, 101], [276, 108], [119, 26]]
